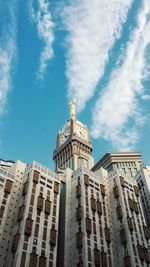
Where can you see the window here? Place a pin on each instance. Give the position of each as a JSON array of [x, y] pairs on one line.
[[43, 178], [41, 188], [48, 192], [49, 186], [34, 241], [4, 201], [42, 183], [1, 179], [43, 245], [36, 232]]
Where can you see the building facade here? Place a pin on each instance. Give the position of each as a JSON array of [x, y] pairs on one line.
[[87, 226], [130, 233], [143, 181], [79, 215], [6, 163], [127, 162], [73, 147], [29, 216], [104, 223], [10, 191]]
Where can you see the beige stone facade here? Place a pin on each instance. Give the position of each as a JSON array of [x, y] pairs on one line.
[[129, 230], [143, 181], [127, 162], [29, 223], [88, 239], [73, 148], [77, 215], [10, 192], [104, 220]]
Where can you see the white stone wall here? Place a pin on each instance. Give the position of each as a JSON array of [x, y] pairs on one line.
[[14, 173], [143, 180], [137, 235]]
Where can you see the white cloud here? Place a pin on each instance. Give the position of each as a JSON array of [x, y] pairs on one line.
[[146, 97], [7, 50], [45, 27], [92, 29], [117, 114]]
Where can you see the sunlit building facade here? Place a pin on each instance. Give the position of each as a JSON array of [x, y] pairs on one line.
[[29, 215], [143, 181], [81, 214]]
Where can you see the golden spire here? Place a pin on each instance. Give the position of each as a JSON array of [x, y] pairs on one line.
[[73, 109]]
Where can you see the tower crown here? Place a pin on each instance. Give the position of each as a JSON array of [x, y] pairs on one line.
[[72, 143], [72, 127]]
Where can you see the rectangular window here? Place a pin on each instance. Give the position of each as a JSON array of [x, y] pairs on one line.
[[42, 183], [49, 186], [44, 233], [49, 181], [1, 179], [36, 230], [43, 178]]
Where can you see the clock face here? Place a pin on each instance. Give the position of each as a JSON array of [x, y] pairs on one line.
[[81, 132], [65, 133]]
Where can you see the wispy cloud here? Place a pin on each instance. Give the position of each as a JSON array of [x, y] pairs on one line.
[[92, 29], [146, 97], [41, 15], [117, 113], [7, 49]]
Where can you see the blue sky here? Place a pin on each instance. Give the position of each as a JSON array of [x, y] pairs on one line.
[[94, 51]]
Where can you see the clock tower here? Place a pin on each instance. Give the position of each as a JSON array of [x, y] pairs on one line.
[[73, 147]]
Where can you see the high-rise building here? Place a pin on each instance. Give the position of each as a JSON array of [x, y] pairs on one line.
[[96, 219], [74, 147], [104, 221], [143, 180], [79, 215], [29, 215], [11, 180], [130, 164], [127, 162], [6, 163], [130, 234], [87, 223]]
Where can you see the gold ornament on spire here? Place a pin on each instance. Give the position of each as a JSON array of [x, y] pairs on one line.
[[73, 109]]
